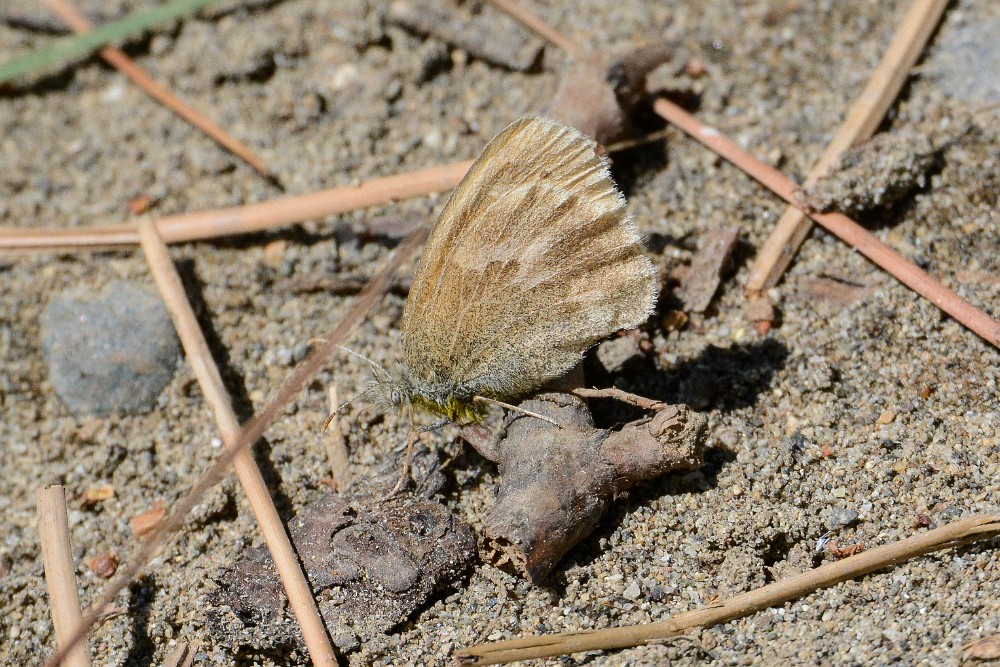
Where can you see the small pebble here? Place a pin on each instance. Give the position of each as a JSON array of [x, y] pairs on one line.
[[283, 356], [839, 517], [95, 494], [105, 565], [674, 320], [615, 353], [109, 353], [299, 352], [633, 591], [886, 417]]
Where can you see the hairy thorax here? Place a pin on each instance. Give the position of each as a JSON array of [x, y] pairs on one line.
[[396, 392]]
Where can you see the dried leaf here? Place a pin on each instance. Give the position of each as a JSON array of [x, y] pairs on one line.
[[140, 204], [372, 556], [987, 648], [145, 522], [836, 292], [96, 494], [702, 281]]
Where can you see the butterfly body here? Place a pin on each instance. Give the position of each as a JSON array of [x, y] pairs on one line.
[[444, 399], [453, 404], [532, 261]]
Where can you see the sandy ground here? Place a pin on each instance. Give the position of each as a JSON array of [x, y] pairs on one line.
[[872, 404]]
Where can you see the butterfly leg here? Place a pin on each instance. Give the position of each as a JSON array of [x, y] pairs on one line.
[[435, 426], [514, 408]]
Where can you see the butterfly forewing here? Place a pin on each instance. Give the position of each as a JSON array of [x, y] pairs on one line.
[[532, 261]]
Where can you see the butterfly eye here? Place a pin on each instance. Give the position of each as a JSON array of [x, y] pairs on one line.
[[395, 397]]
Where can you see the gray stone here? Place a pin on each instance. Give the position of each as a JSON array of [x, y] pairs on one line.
[[839, 517], [633, 591], [109, 353], [966, 61]]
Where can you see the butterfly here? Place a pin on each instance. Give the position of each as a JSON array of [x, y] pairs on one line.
[[533, 259]]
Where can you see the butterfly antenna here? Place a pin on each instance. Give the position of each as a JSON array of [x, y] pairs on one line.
[[376, 369], [333, 414], [514, 408]]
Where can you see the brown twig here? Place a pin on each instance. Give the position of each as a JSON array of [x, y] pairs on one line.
[[245, 219], [860, 124], [704, 275], [336, 448], [965, 531], [838, 224], [250, 433], [60, 577], [599, 95], [617, 394], [539, 26], [207, 373], [117, 59]]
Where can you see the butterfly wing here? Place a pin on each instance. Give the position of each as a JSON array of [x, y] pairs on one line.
[[532, 261]]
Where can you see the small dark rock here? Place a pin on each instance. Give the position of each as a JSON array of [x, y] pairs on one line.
[[877, 174], [109, 353], [372, 557]]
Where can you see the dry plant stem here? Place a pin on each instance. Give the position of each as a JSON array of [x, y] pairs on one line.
[[838, 224], [117, 59], [539, 26], [243, 219], [207, 373], [60, 577], [965, 531], [861, 122], [246, 219], [250, 433], [336, 446]]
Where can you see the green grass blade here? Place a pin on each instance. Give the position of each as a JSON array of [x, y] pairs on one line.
[[67, 48]]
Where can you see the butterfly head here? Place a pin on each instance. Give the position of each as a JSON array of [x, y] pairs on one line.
[[389, 392]]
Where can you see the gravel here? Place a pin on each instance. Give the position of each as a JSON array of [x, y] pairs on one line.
[[797, 434]]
